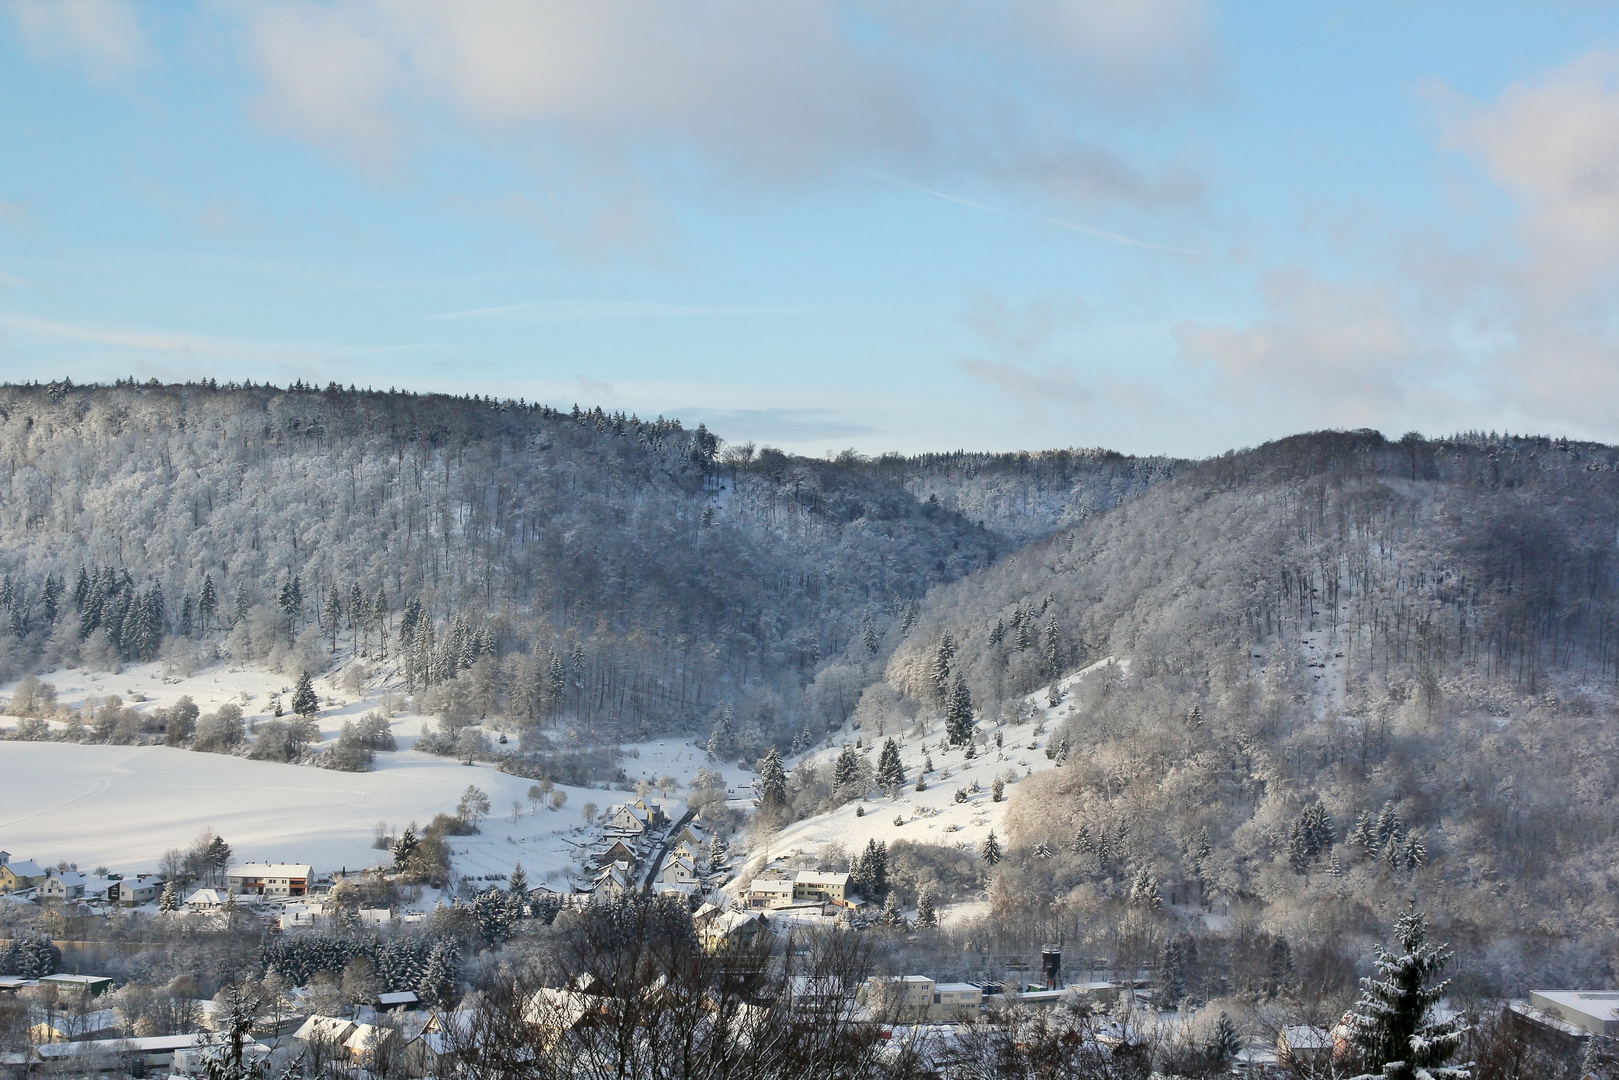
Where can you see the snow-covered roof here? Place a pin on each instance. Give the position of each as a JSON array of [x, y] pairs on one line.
[[71, 878], [812, 877], [328, 1029], [24, 868], [271, 870]]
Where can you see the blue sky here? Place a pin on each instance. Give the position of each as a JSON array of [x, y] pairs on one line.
[[1155, 225]]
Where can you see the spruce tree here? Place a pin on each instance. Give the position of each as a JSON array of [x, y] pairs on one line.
[[403, 847], [1144, 891], [890, 773], [846, 769], [304, 701], [170, 898], [772, 782], [332, 615], [991, 851], [926, 916], [1224, 1043], [517, 884], [958, 717], [1390, 1023]]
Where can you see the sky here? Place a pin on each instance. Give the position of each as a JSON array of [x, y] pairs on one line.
[[1159, 226]]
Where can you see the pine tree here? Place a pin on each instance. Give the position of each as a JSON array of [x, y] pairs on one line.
[[170, 898], [846, 770], [717, 851], [926, 916], [869, 635], [1224, 1043], [991, 851], [332, 615], [1390, 1024], [890, 773], [892, 917], [304, 701], [403, 847], [870, 870], [958, 717], [240, 607], [1053, 649], [997, 634], [939, 672], [997, 789], [517, 884], [721, 738], [440, 973], [379, 615], [772, 782], [1144, 890]]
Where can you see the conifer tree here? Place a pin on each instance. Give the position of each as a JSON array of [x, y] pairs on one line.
[[926, 916], [304, 701], [169, 900], [1224, 1042], [332, 615], [958, 717], [1390, 1023], [404, 846], [717, 851], [517, 884], [939, 672], [772, 782], [1144, 890], [991, 851], [890, 773], [846, 769]]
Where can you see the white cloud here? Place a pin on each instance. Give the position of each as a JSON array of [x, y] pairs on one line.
[[104, 36], [781, 93]]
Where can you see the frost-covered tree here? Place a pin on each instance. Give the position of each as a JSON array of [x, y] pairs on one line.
[[890, 772], [772, 782], [927, 916], [958, 716], [1391, 1024], [304, 701], [990, 852]]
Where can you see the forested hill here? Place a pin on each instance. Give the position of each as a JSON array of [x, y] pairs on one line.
[[1358, 670], [595, 569]]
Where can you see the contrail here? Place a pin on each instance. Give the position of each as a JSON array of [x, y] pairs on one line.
[[1058, 223]]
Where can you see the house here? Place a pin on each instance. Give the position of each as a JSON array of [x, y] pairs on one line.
[[304, 916], [332, 1031], [1564, 1021], [70, 1025], [1304, 1046], [94, 985], [898, 998], [268, 879], [152, 1055], [434, 1049], [65, 885], [617, 851], [142, 889], [610, 881], [402, 999], [206, 900], [627, 821], [734, 930], [655, 816], [827, 888], [954, 1002], [678, 872], [769, 892], [367, 1042], [376, 916], [20, 875]]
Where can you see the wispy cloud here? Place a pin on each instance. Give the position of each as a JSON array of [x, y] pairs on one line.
[[184, 344], [577, 310], [1056, 223]]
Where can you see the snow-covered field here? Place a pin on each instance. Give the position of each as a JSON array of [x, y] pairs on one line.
[[124, 806], [932, 816]]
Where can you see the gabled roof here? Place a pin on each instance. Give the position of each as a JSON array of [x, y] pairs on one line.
[[24, 868], [367, 1037], [70, 878], [327, 1029]]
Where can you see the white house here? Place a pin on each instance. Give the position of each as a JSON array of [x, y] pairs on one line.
[[142, 889], [65, 885], [268, 879]]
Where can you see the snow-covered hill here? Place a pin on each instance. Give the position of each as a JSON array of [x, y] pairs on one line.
[[124, 806], [933, 816]]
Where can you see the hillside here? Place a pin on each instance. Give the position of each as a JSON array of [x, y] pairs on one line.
[[589, 571], [1358, 671]]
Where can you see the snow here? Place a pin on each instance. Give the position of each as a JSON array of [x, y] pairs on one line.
[[932, 816], [124, 806]]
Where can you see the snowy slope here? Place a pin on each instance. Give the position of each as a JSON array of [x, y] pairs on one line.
[[123, 806], [932, 816]]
